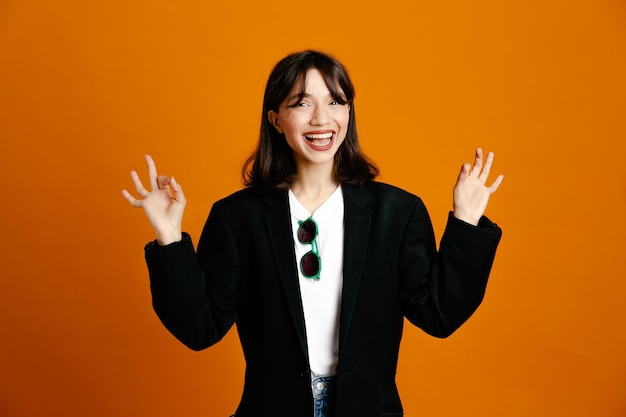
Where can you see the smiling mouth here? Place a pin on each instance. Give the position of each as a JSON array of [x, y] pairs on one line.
[[319, 139]]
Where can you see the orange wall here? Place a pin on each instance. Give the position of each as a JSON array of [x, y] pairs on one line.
[[86, 88]]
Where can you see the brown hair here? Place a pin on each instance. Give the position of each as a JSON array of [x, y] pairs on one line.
[[272, 165]]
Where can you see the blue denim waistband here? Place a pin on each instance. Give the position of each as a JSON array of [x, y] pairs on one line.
[[323, 385], [324, 396]]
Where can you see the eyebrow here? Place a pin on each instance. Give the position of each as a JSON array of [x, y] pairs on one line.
[[298, 96]]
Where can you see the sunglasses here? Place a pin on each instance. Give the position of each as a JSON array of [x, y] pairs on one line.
[[311, 263]]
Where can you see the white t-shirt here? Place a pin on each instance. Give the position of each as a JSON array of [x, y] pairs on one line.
[[321, 299]]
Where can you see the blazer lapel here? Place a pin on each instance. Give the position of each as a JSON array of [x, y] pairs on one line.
[[278, 223], [357, 225]]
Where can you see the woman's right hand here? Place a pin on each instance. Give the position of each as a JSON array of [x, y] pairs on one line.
[[164, 204]]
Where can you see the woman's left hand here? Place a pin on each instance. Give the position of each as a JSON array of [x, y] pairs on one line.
[[470, 193]]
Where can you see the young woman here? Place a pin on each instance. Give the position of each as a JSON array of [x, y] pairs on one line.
[[316, 263]]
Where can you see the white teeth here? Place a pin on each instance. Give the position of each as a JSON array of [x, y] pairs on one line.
[[319, 136]]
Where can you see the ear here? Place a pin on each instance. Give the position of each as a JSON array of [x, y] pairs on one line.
[[272, 116]]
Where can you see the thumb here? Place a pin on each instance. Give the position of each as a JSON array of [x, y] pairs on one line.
[[465, 170], [178, 191]]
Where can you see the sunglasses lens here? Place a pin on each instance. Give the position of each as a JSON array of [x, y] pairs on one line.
[[310, 264], [307, 231]]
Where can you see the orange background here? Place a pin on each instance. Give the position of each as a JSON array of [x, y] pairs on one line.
[[88, 87]]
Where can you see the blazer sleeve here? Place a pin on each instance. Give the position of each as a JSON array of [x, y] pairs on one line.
[[441, 289], [195, 294]]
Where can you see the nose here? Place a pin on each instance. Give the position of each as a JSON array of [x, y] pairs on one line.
[[320, 116]]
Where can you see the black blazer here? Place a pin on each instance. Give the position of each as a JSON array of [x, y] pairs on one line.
[[245, 272]]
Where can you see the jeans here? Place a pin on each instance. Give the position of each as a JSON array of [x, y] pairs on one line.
[[324, 396]]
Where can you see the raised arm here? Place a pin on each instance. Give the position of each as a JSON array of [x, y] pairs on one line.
[[164, 204]]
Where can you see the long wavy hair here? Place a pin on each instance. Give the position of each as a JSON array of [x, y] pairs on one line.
[[272, 165]]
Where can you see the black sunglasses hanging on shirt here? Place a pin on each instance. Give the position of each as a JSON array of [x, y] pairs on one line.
[[310, 263]]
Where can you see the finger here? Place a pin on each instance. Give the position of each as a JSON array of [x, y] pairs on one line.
[[483, 175], [163, 181], [152, 172], [138, 185], [478, 163], [178, 195], [132, 200], [496, 184]]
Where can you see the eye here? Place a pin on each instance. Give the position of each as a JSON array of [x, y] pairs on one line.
[[299, 104]]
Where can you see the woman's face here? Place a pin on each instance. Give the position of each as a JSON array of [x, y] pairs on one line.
[[314, 124]]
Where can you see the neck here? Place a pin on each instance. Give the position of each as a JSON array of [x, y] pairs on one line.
[[313, 187]]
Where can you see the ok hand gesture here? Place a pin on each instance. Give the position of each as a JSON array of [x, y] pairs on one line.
[[164, 204], [470, 193]]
